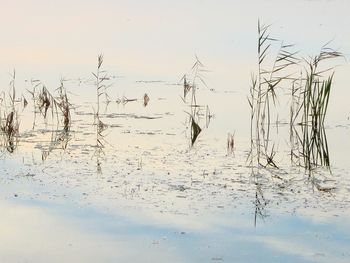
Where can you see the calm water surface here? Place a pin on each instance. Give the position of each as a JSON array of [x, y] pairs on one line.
[[155, 198]]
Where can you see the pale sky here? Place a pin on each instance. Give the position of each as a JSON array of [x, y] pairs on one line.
[[159, 36]]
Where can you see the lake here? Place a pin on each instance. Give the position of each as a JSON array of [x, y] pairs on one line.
[[127, 133]]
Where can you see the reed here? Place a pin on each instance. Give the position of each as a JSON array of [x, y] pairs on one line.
[[65, 106], [310, 93], [100, 77], [315, 93], [48, 102], [272, 73], [191, 82], [34, 83], [10, 123]]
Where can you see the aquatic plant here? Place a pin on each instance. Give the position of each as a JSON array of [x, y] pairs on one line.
[[46, 101], [101, 78], [65, 106], [59, 140], [190, 84], [308, 107], [10, 130], [272, 73], [34, 83], [312, 111], [9, 124]]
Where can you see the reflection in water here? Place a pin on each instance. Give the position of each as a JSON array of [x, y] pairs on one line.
[[124, 100], [200, 202], [59, 140], [9, 132], [223, 183], [311, 149], [99, 152], [186, 86], [208, 117], [34, 84], [101, 237], [260, 204], [60, 114], [295, 141], [318, 180], [145, 181], [308, 107]]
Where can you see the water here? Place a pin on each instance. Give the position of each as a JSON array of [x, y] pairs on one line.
[[150, 196]]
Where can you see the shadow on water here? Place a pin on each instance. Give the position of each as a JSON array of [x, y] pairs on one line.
[[260, 205]]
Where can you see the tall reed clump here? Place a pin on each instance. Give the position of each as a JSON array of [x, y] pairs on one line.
[[315, 94], [310, 93], [272, 73]]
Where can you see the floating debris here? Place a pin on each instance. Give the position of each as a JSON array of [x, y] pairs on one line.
[[145, 99], [230, 143]]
